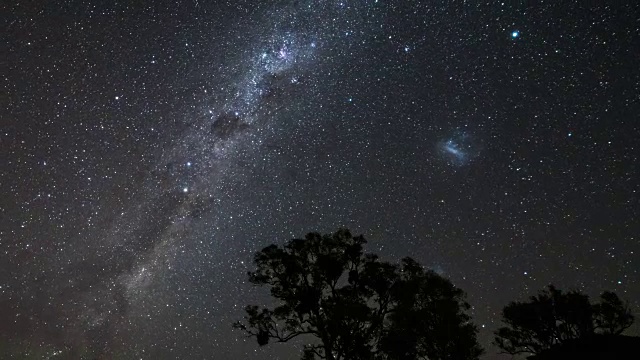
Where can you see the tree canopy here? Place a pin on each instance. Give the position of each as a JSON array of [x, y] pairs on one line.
[[554, 318], [356, 306]]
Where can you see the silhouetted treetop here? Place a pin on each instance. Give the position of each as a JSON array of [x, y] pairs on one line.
[[553, 318], [355, 306], [611, 315]]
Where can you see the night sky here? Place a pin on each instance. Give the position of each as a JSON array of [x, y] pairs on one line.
[[150, 148]]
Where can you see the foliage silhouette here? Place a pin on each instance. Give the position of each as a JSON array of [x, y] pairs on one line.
[[356, 306], [554, 318], [593, 347]]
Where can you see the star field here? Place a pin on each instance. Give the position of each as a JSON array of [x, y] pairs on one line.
[[149, 149]]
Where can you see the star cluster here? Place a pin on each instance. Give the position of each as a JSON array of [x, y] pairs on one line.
[[150, 148]]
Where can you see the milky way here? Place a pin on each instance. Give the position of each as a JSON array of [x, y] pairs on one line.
[[152, 149], [181, 204]]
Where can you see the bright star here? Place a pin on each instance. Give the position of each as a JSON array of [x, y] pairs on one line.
[[515, 34], [185, 190]]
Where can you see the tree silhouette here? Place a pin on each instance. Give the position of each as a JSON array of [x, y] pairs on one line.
[[553, 318], [356, 306], [612, 316]]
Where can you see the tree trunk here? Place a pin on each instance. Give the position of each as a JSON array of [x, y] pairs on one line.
[[327, 351]]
